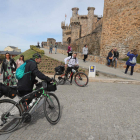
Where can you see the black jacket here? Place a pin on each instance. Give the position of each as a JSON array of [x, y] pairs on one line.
[[26, 83], [109, 55], [116, 54], [4, 65]]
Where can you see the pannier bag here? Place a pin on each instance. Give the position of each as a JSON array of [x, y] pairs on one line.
[[49, 86], [7, 91], [59, 70]]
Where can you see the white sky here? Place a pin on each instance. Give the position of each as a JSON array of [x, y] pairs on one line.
[[25, 22]]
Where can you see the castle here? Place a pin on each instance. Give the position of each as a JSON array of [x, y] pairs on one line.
[[119, 27]]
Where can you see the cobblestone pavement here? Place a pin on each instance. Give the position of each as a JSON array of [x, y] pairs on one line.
[[100, 111], [99, 67]]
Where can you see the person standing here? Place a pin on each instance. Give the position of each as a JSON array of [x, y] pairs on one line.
[[110, 57], [85, 52], [20, 61], [69, 51], [51, 47], [115, 58], [131, 61], [56, 46], [7, 68]]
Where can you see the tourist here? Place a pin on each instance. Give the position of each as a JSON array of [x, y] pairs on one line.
[[115, 58], [85, 52], [7, 68], [20, 61], [69, 51], [110, 57], [131, 61], [56, 46], [38, 45], [51, 47], [42, 44]]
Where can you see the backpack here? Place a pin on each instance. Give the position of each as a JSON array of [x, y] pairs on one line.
[[20, 71], [133, 61]]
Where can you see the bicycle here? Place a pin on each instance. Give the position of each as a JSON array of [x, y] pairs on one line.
[[79, 77], [14, 113]]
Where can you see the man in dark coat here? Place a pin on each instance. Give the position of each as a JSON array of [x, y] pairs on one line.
[[25, 84]]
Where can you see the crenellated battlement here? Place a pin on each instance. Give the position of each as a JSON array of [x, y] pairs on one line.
[[80, 25]]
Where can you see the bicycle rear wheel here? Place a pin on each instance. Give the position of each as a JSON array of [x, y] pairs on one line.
[[59, 79], [10, 116], [81, 79], [52, 108]]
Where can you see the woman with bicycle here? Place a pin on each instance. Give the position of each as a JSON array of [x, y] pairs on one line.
[[72, 61]]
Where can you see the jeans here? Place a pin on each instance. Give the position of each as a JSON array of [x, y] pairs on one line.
[[132, 69], [85, 57], [50, 51], [109, 61], [114, 59], [55, 50]]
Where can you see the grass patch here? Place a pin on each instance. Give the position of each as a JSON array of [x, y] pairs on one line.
[[27, 54], [138, 59]]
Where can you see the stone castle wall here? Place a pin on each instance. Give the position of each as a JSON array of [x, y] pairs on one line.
[[83, 22], [121, 26], [92, 40]]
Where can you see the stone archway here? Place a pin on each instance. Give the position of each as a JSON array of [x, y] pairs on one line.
[[69, 40]]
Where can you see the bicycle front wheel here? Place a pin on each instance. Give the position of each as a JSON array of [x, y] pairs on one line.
[[52, 108], [81, 79], [10, 116]]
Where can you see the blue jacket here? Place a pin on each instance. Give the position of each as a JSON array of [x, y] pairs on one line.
[[130, 59]]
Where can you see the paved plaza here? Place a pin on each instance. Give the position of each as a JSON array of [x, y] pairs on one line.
[[100, 111]]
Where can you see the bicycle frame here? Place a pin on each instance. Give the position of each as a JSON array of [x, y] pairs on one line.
[[19, 102]]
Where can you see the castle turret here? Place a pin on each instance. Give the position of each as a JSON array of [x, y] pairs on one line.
[[90, 19], [75, 25], [74, 17]]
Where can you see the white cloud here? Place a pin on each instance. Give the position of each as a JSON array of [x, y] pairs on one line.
[[23, 20]]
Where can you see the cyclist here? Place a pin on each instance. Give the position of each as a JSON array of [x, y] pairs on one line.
[[73, 61], [25, 85]]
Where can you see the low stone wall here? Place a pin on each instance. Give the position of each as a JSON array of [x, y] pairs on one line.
[[99, 59]]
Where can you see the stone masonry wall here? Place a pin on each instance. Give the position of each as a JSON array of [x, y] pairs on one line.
[[83, 23], [121, 26], [92, 40], [99, 59]]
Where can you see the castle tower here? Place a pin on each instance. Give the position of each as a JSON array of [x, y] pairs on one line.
[[90, 19], [75, 25]]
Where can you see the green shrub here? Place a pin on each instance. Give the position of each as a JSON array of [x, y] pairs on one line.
[[36, 49]]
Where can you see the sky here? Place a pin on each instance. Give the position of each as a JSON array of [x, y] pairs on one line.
[[26, 22]]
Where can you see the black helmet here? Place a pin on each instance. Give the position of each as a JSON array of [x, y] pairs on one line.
[[36, 55]]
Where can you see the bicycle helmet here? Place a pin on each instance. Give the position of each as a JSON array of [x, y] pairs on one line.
[[36, 55]]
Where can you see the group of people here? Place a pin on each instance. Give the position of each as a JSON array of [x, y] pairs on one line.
[[26, 83], [113, 56], [51, 48], [85, 52]]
